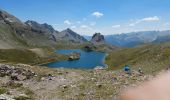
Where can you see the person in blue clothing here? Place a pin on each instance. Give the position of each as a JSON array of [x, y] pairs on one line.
[[127, 68]]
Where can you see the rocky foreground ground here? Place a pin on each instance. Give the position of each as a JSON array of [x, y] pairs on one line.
[[22, 82]]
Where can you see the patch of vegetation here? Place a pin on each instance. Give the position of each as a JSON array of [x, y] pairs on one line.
[[22, 98], [28, 92], [18, 56], [15, 85], [101, 48], [29, 57], [151, 58], [3, 90]]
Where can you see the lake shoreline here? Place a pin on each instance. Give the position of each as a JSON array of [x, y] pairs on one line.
[[104, 61]]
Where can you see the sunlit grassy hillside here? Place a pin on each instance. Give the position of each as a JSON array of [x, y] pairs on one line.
[[151, 58]]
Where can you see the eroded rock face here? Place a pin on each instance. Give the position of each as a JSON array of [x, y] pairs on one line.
[[98, 38]]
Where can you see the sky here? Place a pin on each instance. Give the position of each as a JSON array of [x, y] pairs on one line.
[[89, 16]]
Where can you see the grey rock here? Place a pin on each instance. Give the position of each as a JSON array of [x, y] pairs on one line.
[[98, 38]]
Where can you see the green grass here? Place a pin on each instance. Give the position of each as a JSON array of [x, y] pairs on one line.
[[3, 90], [29, 57], [151, 58], [14, 85], [21, 98], [18, 56]]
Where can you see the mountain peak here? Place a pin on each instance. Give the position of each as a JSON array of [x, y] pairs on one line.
[[6, 17], [31, 22], [45, 27], [72, 36], [98, 38], [69, 30]]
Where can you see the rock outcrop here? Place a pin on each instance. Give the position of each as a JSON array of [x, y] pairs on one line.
[[15, 73], [98, 38]]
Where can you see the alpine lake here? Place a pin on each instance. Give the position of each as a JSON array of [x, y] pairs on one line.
[[86, 60]]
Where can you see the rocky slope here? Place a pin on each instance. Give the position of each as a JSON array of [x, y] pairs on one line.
[[43, 29], [14, 33], [21, 32], [24, 82]]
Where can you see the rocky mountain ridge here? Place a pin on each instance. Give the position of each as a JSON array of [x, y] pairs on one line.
[[14, 33]]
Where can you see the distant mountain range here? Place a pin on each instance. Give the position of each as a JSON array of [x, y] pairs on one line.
[[15, 33], [136, 38]]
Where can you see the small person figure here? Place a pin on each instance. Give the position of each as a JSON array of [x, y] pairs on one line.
[[140, 70], [50, 76], [127, 69]]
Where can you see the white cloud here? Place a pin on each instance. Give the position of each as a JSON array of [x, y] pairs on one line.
[[115, 26], [97, 14], [85, 27], [67, 22], [73, 27], [151, 19], [146, 19], [92, 23], [132, 24]]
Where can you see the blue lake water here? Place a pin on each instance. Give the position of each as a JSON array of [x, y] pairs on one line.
[[88, 60]]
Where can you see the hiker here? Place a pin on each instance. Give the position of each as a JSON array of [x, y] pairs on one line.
[[140, 70], [50, 76], [127, 69]]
